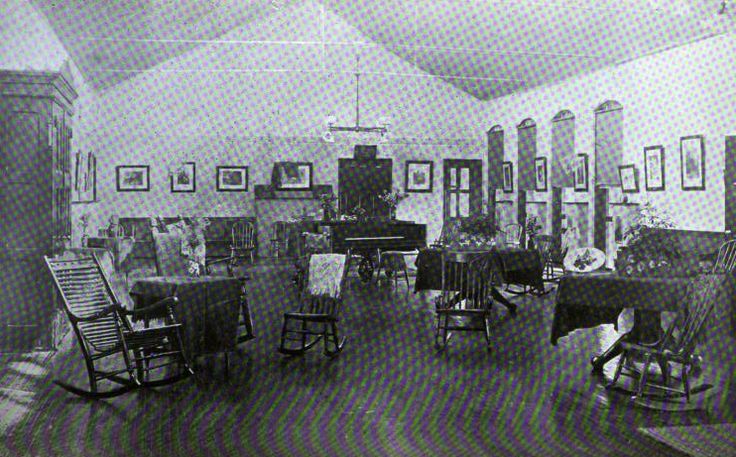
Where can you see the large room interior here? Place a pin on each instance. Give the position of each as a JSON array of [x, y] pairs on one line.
[[482, 197]]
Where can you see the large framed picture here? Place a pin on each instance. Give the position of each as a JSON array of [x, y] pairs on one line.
[[418, 176], [184, 178], [132, 178], [654, 168], [581, 173], [232, 179], [508, 177], [294, 175], [540, 174], [629, 179], [692, 162]]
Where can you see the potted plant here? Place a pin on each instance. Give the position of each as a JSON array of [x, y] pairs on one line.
[[392, 199], [327, 203], [531, 229], [650, 249]]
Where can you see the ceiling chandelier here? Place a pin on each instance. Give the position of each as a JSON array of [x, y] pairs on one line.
[[331, 120]]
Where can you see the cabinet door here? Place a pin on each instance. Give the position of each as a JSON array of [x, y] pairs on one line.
[[25, 235], [361, 181]]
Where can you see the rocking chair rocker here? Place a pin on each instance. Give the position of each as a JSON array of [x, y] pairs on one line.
[[103, 331], [318, 314]]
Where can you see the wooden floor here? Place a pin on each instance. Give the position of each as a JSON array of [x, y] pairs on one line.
[[389, 393]]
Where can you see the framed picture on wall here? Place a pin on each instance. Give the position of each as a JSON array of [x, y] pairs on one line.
[[508, 177], [654, 168], [692, 162], [540, 174], [581, 173], [418, 176], [294, 175], [184, 178], [628, 178], [232, 179], [132, 178]]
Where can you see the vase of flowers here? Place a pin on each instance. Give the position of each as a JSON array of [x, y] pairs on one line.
[[193, 246], [392, 199], [327, 203], [650, 249], [83, 224], [531, 229]]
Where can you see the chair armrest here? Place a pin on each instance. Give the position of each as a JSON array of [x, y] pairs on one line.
[[109, 309], [163, 303]]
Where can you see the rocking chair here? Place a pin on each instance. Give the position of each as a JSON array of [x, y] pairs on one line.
[[103, 331], [676, 346], [318, 313]]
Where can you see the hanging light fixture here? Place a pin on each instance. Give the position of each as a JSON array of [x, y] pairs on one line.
[[331, 120]]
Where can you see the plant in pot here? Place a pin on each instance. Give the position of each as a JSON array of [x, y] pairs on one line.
[[650, 248], [476, 231], [392, 199]]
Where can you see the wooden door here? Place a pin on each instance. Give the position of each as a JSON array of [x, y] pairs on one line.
[[730, 177], [462, 188]]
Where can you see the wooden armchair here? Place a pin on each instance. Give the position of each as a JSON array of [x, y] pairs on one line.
[[319, 308], [243, 242], [677, 346], [103, 331]]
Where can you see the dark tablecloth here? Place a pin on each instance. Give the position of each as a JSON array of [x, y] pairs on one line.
[[589, 300], [208, 309], [515, 266]]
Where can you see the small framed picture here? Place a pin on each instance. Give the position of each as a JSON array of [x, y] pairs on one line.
[[184, 178], [294, 175], [540, 174], [418, 176], [654, 168], [232, 179], [692, 162], [581, 173], [508, 177], [629, 179], [132, 178]]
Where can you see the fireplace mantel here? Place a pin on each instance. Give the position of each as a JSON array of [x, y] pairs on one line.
[[266, 192]]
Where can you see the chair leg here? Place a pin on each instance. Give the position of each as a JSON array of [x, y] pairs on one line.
[[643, 377], [686, 381], [619, 367]]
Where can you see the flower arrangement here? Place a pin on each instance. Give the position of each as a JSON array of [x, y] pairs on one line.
[[193, 245], [532, 226], [392, 198], [649, 247], [83, 224], [327, 203]]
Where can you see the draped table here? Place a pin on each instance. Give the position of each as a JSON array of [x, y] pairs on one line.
[[592, 299], [207, 308]]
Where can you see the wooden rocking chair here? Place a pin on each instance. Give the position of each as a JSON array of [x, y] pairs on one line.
[[676, 346], [103, 331], [318, 313]]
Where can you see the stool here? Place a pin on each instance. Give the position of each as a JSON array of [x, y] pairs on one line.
[[394, 262]]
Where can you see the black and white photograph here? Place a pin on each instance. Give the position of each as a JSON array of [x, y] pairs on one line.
[[184, 178], [232, 179], [368, 228], [654, 168]]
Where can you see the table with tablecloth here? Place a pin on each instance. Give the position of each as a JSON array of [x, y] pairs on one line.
[[589, 300], [207, 307], [514, 265]]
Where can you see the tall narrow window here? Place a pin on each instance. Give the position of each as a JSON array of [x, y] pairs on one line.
[[495, 165], [609, 143], [563, 150]]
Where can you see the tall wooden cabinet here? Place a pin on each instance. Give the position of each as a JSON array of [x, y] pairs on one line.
[[361, 181], [35, 197]]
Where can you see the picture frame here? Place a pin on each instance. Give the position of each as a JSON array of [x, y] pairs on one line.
[[418, 176], [232, 178], [692, 162], [628, 178], [654, 175], [581, 173], [184, 178], [132, 178], [540, 174], [85, 178], [294, 175], [508, 177]]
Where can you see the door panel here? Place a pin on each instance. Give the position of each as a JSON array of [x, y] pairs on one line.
[[462, 188]]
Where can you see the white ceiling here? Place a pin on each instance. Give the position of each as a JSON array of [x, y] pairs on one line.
[[487, 48]]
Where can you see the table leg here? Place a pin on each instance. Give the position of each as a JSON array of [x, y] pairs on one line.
[[615, 349], [502, 300]]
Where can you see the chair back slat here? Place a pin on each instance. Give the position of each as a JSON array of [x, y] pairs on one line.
[[467, 280], [701, 298], [85, 291], [726, 259], [243, 235]]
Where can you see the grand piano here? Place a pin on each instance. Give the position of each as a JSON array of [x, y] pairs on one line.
[[365, 238]]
